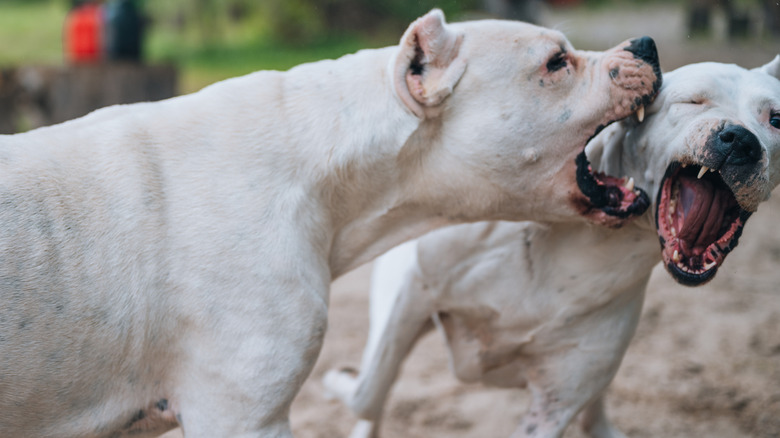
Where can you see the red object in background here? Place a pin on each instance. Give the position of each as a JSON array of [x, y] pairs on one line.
[[84, 34]]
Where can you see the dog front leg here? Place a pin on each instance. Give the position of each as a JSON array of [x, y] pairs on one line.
[[366, 392], [571, 379], [242, 370]]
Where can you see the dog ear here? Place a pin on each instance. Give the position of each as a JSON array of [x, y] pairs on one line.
[[428, 64], [605, 150], [772, 68]]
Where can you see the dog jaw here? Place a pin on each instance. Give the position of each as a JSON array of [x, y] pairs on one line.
[[636, 78], [698, 221]]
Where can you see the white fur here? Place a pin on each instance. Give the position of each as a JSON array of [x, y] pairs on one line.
[[554, 306], [169, 262]]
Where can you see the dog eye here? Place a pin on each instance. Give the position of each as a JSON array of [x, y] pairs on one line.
[[557, 62], [774, 120]]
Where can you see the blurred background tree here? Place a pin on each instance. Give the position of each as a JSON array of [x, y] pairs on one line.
[[211, 39], [297, 22]]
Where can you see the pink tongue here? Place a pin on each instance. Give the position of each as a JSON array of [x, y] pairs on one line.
[[702, 208]]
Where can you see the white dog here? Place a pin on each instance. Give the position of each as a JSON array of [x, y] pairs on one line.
[[169, 263], [555, 306]]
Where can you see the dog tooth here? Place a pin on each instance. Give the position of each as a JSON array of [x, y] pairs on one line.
[[684, 165], [674, 232], [640, 114], [676, 256], [703, 170], [709, 266], [630, 184]]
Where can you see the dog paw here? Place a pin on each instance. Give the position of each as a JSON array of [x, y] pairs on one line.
[[340, 383]]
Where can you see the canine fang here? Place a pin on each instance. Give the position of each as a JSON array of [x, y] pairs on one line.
[[703, 170]]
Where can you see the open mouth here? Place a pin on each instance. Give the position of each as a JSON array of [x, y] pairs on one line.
[[617, 197], [698, 220]]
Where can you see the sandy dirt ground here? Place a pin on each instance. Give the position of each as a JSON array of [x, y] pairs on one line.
[[705, 362]]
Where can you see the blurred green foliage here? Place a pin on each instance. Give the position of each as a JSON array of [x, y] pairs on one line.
[[293, 22], [212, 39]]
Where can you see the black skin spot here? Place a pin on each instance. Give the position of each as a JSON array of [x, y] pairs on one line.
[[530, 429], [162, 404], [527, 253], [614, 72], [541, 83], [140, 415]]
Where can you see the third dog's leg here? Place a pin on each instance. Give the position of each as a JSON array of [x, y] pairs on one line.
[[395, 326]]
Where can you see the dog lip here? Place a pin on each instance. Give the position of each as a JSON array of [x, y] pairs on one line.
[[604, 193], [693, 253], [690, 279]]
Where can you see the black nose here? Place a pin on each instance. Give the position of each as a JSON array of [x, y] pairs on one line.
[[644, 49], [738, 145]]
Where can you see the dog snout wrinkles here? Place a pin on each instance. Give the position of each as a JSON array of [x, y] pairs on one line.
[[738, 145], [644, 49]]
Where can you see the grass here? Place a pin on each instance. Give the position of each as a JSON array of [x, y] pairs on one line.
[[31, 32]]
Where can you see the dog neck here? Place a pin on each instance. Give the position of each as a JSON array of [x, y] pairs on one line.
[[360, 169], [396, 204]]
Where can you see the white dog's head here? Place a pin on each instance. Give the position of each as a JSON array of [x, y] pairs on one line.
[[512, 106], [710, 151]]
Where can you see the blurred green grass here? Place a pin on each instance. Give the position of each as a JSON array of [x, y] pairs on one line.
[[31, 34]]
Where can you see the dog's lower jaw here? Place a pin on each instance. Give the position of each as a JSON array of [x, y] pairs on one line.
[[608, 200], [698, 222]]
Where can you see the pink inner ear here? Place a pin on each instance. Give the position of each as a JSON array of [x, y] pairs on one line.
[[415, 86], [424, 48], [428, 33]]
